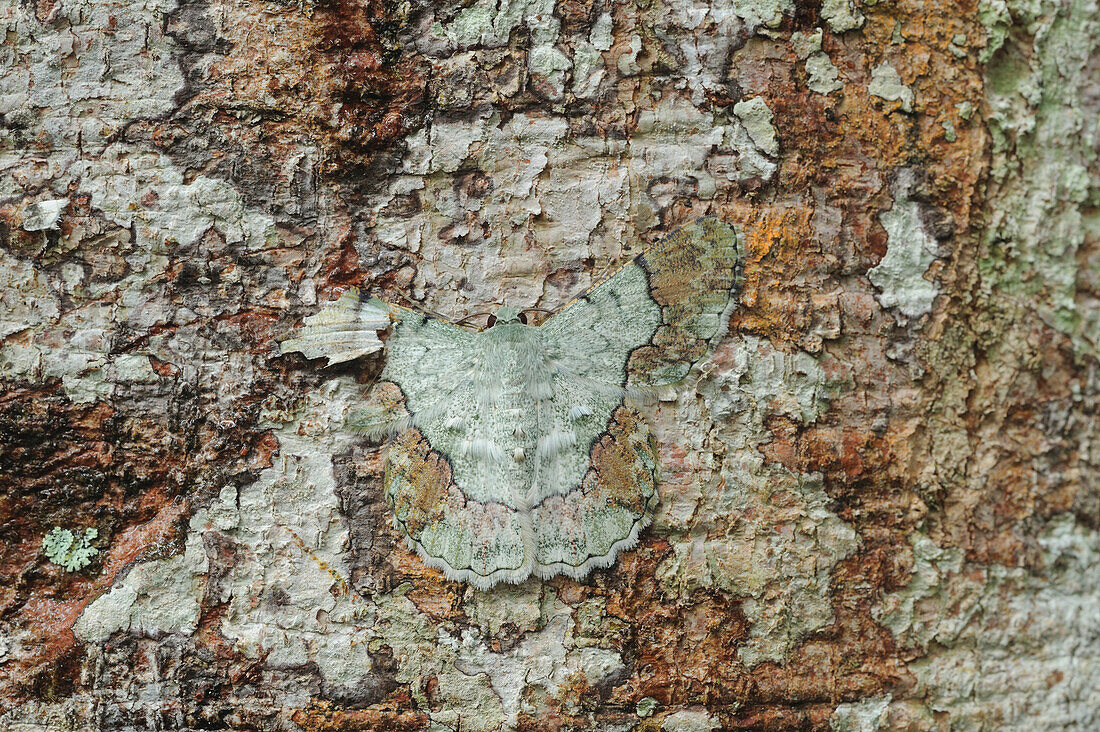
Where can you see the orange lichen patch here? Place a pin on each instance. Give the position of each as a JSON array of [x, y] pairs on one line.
[[782, 260], [321, 716]]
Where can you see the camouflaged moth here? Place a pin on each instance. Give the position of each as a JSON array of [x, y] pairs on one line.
[[520, 449]]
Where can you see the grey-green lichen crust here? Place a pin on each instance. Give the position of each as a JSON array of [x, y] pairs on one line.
[[68, 550]]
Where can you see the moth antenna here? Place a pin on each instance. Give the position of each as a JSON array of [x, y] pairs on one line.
[[471, 316]]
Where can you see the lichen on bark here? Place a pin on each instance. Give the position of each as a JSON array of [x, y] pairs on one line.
[[879, 503]]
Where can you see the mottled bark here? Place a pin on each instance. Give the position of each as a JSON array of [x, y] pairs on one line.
[[880, 503]]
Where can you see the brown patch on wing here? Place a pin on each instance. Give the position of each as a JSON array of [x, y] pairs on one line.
[[691, 274], [624, 463], [576, 526], [420, 498]]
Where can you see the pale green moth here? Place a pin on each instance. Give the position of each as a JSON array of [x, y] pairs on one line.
[[518, 449]]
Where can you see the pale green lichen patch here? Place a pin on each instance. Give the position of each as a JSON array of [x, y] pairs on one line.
[[68, 550], [824, 77], [768, 13], [841, 15], [886, 84], [759, 122]]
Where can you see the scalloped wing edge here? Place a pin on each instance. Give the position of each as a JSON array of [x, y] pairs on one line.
[[469, 576], [532, 568]]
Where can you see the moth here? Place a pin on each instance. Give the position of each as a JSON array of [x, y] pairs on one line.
[[519, 449]]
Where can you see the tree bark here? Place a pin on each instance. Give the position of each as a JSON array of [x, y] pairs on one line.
[[880, 497]]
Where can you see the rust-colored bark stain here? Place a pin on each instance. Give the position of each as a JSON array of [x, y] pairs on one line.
[[323, 717], [330, 72], [75, 466]]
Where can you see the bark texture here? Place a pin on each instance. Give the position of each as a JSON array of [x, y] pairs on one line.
[[880, 505]]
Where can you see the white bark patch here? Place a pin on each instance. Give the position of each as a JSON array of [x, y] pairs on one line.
[[76, 347], [689, 720], [281, 600], [74, 64], [910, 251], [868, 715], [43, 214], [553, 198], [26, 300], [154, 598], [757, 119], [541, 663]]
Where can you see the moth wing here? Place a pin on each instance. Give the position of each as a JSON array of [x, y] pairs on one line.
[[666, 307], [460, 509], [427, 380], [643, 327], [429, 359], [456, 494], [588, 526], [482, 543], [344, 330]]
